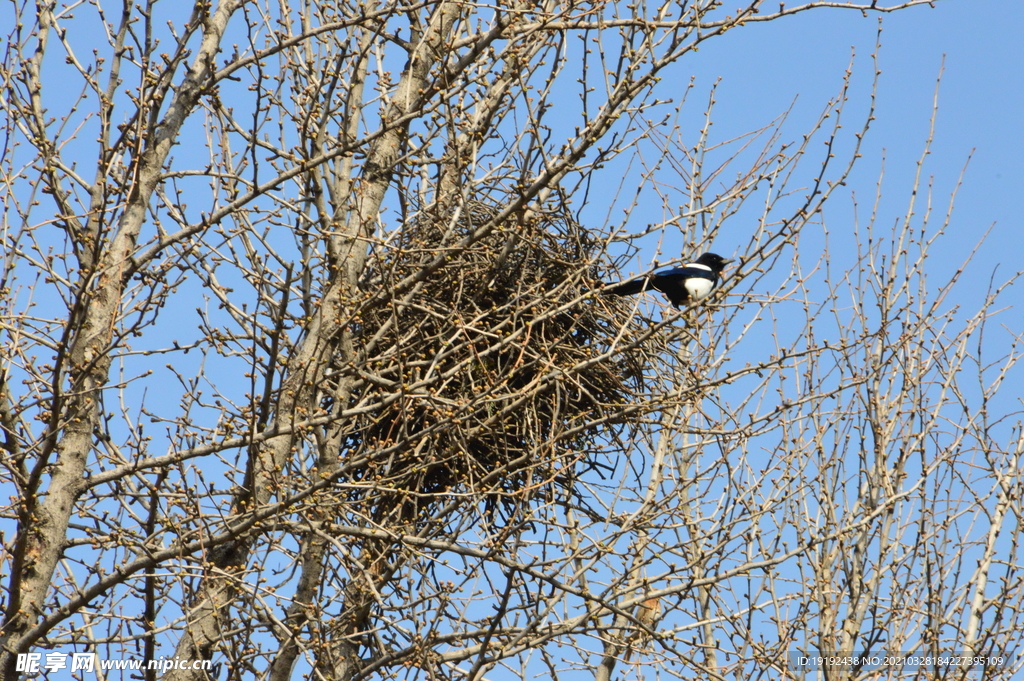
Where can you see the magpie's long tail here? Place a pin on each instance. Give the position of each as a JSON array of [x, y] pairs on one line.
[[627, 288]]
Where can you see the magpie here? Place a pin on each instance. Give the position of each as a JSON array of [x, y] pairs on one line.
[[681, 285]]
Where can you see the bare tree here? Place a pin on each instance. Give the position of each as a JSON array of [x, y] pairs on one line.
[[307, 369]]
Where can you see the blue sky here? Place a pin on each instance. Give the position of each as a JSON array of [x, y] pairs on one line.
[[981, 98]]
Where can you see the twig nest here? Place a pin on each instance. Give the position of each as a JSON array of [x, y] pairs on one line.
[[490, 370]]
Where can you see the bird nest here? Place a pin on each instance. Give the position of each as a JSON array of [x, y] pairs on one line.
[[491, 364]]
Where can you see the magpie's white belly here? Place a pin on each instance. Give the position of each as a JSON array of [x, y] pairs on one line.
[[698, 288]]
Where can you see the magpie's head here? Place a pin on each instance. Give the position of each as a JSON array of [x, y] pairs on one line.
[[716, 262]]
